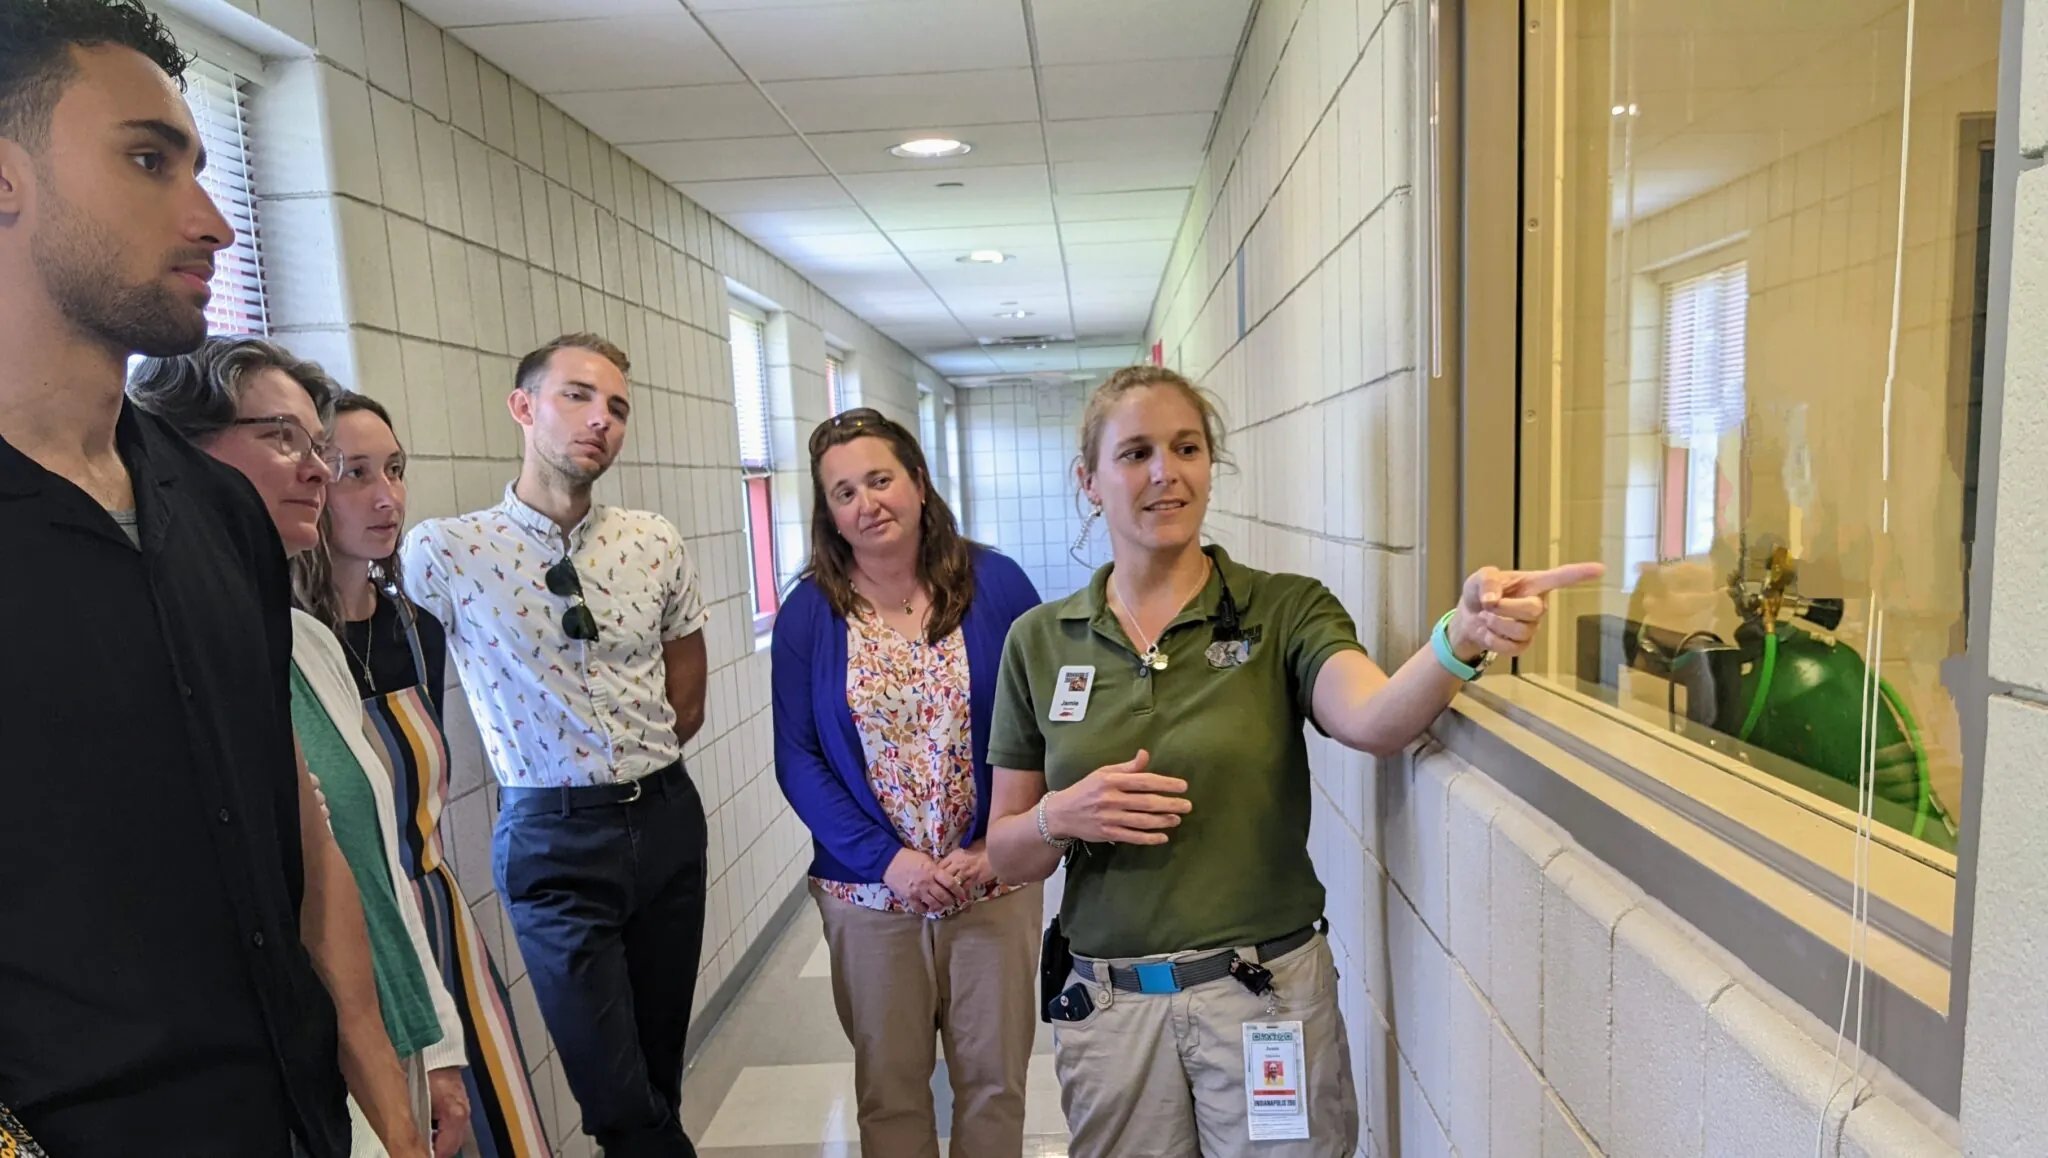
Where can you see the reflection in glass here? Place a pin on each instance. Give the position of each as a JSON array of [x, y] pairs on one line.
[[1751, 222]]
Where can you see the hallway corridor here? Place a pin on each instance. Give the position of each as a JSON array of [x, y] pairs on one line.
[[776, 1078]]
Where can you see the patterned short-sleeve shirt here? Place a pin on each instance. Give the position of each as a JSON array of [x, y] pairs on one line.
[[911, 706], [554, 711]]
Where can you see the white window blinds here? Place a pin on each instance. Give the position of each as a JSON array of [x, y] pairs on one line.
[[1705, 324], [750, 391], [219, 100], [835, 391]]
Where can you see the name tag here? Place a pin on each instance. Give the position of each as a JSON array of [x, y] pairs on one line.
[[1275, 1081], [1070, 695]]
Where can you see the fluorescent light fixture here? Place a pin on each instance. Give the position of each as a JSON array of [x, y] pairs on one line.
[[987, 257], [932, 148], [1014, 314]]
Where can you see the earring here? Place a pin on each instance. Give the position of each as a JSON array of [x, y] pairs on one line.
[[1087, 529]]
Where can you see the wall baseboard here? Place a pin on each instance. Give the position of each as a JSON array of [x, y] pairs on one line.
[[711, 1014]]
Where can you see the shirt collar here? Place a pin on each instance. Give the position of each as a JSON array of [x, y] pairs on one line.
[[550, 532], [148, 463], [1091, 603]]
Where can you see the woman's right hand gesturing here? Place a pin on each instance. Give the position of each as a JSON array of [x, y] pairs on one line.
[[922, 882], [1118, 804]]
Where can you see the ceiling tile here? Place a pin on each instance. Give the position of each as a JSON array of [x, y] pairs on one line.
[[1168, 137], [867, 151], [592, 55], [899, 189], [728, 160], [988, 96], [798, 222], [1136, 89], [1131, 229], [1008, 238], [836, 244], [688, 113], [452, 14], [886, 38], [1134, 257], [1095, 32], [722, 197], [961, 214], [1120, 206], [1127, 176]]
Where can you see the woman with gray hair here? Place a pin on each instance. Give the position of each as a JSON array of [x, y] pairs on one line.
[[255, 407]]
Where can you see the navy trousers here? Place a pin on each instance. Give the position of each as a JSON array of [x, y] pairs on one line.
[[605, 887]]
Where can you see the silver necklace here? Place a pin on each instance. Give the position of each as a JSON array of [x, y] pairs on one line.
[[369, 644], [1152, 659]]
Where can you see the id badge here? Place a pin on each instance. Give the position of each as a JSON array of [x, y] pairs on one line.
[[1070, 694], [1275, 1081]]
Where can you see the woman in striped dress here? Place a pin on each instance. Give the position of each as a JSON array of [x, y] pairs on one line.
[[397, 653]]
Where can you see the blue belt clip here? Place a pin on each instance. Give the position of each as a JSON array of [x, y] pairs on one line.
[[1156, 977]]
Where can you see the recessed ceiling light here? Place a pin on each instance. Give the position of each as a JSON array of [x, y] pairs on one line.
[[932, 148], [986, 257], [1014, 314]]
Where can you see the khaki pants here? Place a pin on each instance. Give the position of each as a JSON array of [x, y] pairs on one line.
[[898, 979], [1162, 1075]]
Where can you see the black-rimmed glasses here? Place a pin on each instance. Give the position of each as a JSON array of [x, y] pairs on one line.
[[577, 622], [298, 443]]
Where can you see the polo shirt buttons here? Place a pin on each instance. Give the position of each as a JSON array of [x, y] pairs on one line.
[[187, 689], [224, 816], [256, 939]]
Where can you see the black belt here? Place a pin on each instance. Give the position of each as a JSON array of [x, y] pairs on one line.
[[657, 784], [1175, 976]]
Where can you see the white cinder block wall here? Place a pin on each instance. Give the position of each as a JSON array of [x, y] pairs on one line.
[[1020, 447], [425, 221], [1508, 997]]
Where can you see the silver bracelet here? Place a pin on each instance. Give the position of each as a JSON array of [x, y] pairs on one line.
[[1044, 833]]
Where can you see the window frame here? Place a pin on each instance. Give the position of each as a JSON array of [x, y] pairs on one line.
[[1484, 69], [757, 486], [835, 382]]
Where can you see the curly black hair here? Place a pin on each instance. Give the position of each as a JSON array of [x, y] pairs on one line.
[[36, 38]]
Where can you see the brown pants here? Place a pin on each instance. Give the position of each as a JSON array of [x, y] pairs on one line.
[[1162, 1075], [899, 980]]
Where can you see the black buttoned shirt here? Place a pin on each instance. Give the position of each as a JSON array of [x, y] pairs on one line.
[[155, 997]]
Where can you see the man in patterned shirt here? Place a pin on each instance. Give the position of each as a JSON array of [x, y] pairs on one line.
[[578, 632]]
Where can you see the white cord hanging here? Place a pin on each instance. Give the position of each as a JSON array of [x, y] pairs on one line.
[[1855, 984]]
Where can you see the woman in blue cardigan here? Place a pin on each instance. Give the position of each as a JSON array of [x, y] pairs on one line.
[[885, 657]]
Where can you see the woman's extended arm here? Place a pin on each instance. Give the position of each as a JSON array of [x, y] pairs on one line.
[[1361, 707]]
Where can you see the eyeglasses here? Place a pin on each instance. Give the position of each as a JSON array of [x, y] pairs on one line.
[[577, 622], [858, 418], [297, 444]]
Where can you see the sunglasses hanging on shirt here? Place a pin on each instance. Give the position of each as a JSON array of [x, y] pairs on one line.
[[1228, 644], [577, 622]]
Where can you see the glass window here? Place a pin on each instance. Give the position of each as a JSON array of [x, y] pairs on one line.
[[219, 100], [835, 387], [1753, 309], [750, 404]]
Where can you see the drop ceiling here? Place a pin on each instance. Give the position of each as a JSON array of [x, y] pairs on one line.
[[1088, 120]]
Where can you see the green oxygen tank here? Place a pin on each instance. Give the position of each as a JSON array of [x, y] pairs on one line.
[[1805, 701]]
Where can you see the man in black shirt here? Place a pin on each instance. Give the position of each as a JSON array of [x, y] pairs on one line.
[[174, 914]]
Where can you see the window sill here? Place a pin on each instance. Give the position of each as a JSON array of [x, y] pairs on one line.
[[1765, 877]]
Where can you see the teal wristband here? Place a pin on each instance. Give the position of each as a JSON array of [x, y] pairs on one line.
[[1440, 640]]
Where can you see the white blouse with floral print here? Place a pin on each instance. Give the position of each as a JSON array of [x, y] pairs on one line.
[[912, 709]]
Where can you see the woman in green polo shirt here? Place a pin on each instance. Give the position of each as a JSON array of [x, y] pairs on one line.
[[1163, 707]]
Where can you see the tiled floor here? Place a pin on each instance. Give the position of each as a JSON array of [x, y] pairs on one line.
[[776, 1079]]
